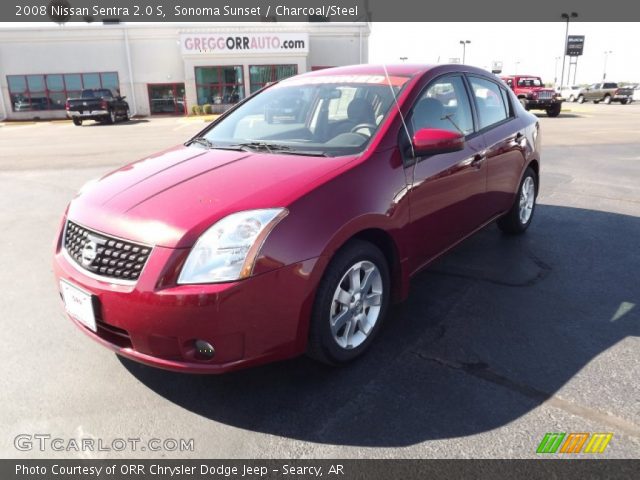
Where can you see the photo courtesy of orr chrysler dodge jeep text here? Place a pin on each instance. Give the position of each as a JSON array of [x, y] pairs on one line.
[[293, 221]]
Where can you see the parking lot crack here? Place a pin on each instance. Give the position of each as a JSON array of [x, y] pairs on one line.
[[483, 371]]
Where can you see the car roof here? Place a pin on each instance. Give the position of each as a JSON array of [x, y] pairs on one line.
[[374, 69]]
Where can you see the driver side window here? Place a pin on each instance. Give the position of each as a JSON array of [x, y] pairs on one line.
[[444, 105]]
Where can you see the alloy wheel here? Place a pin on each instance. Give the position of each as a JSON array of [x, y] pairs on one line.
[[527, 199], [356, 303]]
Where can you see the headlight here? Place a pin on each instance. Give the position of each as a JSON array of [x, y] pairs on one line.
[[227, 251]]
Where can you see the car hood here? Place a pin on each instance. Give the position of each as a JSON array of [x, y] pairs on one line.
[[169, 199]]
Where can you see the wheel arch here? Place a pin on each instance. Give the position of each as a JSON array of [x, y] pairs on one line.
[[387, 245]]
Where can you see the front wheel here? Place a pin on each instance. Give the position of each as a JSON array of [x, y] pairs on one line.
[[554, 110], [624, 101], [351, 303], [523, 102], [518, 219], [607, 100], [127, 115], [112, 117], [77, 121], [572, 98], [581, 99]]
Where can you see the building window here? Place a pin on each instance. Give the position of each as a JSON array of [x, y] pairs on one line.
[[50, 92], [260, 75], [219, 85]]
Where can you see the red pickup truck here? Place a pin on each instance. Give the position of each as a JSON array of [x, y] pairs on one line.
[[533, 95]]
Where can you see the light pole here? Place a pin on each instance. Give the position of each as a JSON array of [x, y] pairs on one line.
[[464, 44], [604, 70], [567, 17], [555, 73]]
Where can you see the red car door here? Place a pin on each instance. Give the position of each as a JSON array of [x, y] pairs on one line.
[[503, 139], [446, 190]]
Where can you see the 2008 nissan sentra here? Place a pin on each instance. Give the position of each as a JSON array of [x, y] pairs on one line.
[[292, 222]]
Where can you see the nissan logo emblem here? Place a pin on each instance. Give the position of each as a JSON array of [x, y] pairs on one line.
[[89, 252]]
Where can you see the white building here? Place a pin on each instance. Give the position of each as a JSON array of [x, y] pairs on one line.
[[165, 68]]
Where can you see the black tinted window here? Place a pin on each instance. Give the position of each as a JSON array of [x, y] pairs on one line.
[[444, 105], [490, 102]]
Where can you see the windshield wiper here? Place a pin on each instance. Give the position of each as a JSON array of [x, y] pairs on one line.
[[201, 141], [275, 148], [208, 144]]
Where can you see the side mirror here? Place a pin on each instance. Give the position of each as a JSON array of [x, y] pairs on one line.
[[432, 141]]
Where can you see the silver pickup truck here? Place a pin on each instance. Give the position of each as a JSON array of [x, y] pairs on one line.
[[606, 92]]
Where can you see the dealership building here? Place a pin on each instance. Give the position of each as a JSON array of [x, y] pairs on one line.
[[163, 69]]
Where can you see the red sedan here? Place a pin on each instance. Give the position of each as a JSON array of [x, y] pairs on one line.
[[290, 223]]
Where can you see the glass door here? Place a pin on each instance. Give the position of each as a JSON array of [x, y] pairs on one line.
[[167, 98]]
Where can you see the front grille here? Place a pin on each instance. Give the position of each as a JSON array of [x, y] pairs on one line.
[[545, 95], [104, 255]]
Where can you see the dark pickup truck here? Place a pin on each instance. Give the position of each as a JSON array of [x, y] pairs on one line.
[[100, 104]]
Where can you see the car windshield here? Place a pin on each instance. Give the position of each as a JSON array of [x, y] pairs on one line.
[[328, 114], [529, 82]]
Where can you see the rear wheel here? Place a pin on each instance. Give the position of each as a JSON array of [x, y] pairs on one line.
[[572, 98], [77, 121], [523, 102], [554, 110], [112, 117], [581, 99], [518, 219], [607, 99], [350, 305], [624, 101], [127, 115]]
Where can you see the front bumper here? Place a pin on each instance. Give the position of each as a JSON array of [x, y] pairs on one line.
[[257, 320], [537, 103]]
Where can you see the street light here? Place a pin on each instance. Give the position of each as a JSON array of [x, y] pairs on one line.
[[567, 17], [464, 44], [604, 70]]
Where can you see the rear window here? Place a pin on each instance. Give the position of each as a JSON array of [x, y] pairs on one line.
[[96, 93]]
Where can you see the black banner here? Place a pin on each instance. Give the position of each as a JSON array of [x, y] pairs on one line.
[[112, 11], [313, 469]]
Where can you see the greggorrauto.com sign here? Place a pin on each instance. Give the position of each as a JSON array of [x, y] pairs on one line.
[[244, 43]]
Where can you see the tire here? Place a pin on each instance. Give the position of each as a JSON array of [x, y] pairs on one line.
[[624, 101], [127, 115], [77, 121], [554, 111], [596, 101], [607, 100], [580, 98], [571, 98], [523, 102], [112, 117], [516, 221], [339, 299]]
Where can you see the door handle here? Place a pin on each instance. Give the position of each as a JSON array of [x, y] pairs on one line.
[[478, 158]]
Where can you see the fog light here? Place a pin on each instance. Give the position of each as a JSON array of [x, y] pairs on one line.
[[204, 350]]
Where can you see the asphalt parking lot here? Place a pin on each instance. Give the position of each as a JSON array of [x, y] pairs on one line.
[[501, 341]]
